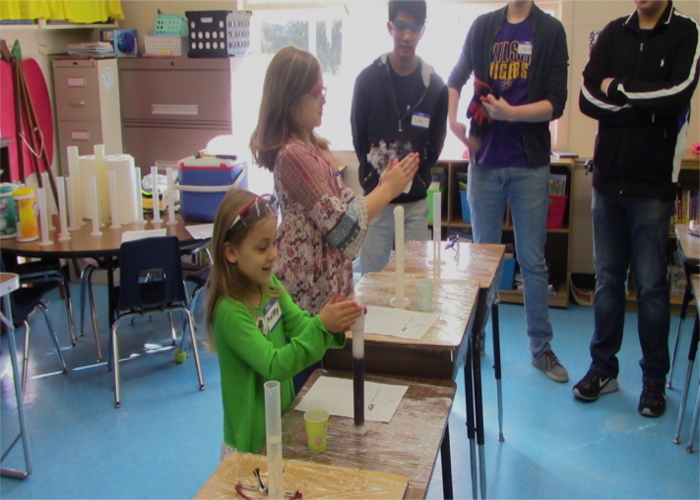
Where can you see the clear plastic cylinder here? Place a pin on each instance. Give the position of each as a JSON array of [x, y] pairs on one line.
[[273, 429]]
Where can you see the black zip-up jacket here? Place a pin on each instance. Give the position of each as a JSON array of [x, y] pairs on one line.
[[380, 130], [548, 70], [643, 119]]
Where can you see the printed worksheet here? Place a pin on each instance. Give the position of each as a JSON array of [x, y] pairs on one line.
[[335, 395], [201, 231], [398, 322], [145, 233]]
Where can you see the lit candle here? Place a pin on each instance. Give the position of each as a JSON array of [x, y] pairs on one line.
[[44, 217], [400, 300], [95, 208], [171, 197], [61, 188], [358, 370], [139, 198], [113, 201], [155, 198]]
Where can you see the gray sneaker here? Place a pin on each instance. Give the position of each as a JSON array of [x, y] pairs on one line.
[[551, 366]]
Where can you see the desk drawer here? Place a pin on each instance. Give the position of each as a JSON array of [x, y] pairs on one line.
[[77, 93]]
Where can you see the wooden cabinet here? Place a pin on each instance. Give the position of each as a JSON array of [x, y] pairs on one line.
[[172, 107], [557, 248], [86, 95]]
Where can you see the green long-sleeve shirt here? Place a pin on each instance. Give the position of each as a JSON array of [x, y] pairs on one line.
[[248, 358]]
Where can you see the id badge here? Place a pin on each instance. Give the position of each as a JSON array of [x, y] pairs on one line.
[[524, 49], [273, 314], [420, 120]]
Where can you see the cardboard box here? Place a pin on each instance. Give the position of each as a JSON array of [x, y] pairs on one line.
[[125, 42]]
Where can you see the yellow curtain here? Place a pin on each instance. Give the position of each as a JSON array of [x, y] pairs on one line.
[[77, 11]]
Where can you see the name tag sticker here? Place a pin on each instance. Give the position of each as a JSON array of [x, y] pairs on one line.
[[273, 314], [420, 120], [524, 49]]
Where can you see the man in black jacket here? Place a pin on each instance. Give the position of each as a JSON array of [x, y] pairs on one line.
[[638, 84], [399, 106], [519, 59]]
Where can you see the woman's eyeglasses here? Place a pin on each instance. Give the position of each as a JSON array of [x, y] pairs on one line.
[[319, 92], [260, 206], [403, 27]]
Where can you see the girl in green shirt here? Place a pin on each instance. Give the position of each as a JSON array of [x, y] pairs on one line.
[[253, 324]]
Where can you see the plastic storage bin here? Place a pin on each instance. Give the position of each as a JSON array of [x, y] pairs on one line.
[[466, 213], [207, 33], [171, 25], [165, 45], [238, 33], [203, 184], [508, 275], [556, 211]]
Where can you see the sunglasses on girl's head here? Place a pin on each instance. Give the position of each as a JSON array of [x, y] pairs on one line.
[[259, 207]]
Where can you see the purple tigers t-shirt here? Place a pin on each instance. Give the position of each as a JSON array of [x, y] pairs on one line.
[[509, 72]]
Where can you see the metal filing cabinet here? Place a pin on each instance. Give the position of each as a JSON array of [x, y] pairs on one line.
[[86, 94], [172, 107]]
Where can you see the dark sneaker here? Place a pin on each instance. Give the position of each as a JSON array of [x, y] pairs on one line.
[[593, 385], [551, 366], [652, 402]]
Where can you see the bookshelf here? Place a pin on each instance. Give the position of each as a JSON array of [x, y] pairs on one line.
[[557, 248]]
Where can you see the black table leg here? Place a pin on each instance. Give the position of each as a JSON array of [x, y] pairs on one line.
[[446, 461]]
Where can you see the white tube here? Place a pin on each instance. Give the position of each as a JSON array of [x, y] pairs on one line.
[[155, 198], [46, 182], [400, 299], [63, 217], [95, 208], [72, 204], [102, 182], [171, 197], [44, 215], [139, 198], [273, 430], [113, 201], [75, 196], [437, 226]]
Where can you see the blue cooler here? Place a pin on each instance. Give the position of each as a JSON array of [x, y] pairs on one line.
[[203, 184]]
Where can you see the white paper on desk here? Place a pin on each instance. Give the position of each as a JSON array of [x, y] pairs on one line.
[[398, 322], [335, 396], [139, 235], [201, 231]]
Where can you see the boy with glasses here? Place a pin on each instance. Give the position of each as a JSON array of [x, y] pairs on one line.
[[399, 106]]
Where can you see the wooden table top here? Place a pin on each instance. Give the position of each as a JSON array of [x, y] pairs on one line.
[[453, 300], [689, 245], [9, 282], [83, 244], [465, 261], [408, 445]]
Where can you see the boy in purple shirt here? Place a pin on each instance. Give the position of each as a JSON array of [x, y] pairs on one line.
[[519, 59]]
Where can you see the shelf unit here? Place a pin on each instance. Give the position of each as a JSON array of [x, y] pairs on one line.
[[557, 248], [42, 24]]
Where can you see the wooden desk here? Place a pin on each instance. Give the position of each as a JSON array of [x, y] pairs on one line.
[[439, 353], [83, 244], [408, 445], [9, 282]]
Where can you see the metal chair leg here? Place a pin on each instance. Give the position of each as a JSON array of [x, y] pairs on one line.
[[173, 333], [692, 351], [694, 425], [115, 365], [69, 312], [25, 355], [195, 350], [687, 295], [54, 337], [446, 462]]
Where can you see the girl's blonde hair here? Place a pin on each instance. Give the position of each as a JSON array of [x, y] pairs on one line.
[[292, 73], [226, 280]]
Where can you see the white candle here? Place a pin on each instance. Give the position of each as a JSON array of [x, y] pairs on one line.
[[400, 300], [139, 198], [171, 196], [95, 208], [63, 217], [43, 217], [72, 204], [75, 191], [46, 182], [113, 201], [154, 192]]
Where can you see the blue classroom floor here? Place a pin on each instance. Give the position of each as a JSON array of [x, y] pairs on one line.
[[164, 441]]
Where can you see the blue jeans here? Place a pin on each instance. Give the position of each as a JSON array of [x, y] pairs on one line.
[[631, 231], [527, 189], [376, 249]]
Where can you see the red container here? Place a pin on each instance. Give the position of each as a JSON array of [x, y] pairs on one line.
[[556, 211]]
